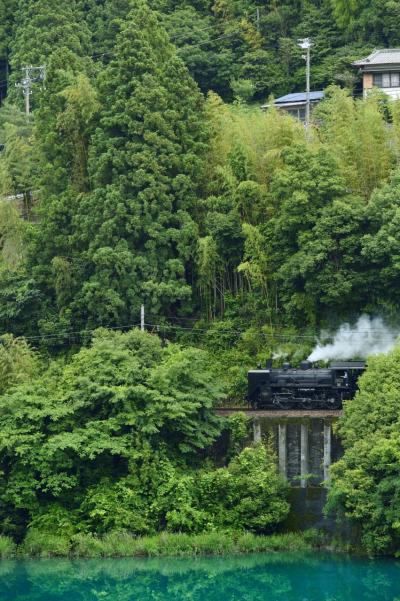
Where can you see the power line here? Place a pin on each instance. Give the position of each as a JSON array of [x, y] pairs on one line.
[[174, 40], [63, 334], [222, 37], [254, 17], [271, 334], [161, 325], [164, 327], [211, 41], [183, 35]]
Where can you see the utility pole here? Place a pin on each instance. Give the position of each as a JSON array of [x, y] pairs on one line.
[[142, 318], [305, 44], [258, 19], [31, 75]]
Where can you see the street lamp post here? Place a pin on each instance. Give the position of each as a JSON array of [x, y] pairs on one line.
[[305, 44]]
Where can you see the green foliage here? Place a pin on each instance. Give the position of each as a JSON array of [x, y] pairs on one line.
[[345, 11], [113, 412], [211, 64], [238, 426], [380, 246], [18, 362], [42, 26], [364, 18], [246, 495], [256, 499], [20, 301], [365, 482], [104, 19], [75, 126], [7, 15], [7, 547], [357, 133], [18, 163], [243, 89], [301, 206], [12, 236], [110, 441], [45, 544]]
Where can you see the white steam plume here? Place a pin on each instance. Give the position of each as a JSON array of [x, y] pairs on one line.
[[369, 336]]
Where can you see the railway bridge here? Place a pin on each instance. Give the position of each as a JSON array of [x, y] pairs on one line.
[[303, 439]]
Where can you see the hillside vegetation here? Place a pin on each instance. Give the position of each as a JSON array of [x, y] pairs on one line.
[[146, 174]]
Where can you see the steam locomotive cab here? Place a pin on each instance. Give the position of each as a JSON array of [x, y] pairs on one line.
[[305, 388]]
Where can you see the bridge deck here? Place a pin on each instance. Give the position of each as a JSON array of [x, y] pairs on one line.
[[316, 413]]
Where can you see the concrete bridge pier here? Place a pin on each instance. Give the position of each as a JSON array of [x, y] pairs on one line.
[[256, 430], [327, 450], [303, 455], [282, 450]]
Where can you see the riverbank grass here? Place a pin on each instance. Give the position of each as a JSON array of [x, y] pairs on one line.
[[122, 544], [7, 547]]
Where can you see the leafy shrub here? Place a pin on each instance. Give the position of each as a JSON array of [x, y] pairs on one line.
[[238, 425], [366, 480], [243, 89], [117, 505], [246, 495], [99, 430]]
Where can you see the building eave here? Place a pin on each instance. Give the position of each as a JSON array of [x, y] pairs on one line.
[[285, 105], [289, 105], [381, 67]]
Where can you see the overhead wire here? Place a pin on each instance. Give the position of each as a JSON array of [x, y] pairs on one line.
[[182, 37], [165, 327], [66, 334], [210, 41]]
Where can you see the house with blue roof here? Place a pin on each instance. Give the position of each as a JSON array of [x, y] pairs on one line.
[[295, 104]]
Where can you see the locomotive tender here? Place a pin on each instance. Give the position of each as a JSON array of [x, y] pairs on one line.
[[307, 387]]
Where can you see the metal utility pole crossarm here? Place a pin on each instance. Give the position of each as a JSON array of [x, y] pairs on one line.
[[31, 75]]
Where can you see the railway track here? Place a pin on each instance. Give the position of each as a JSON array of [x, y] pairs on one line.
[[292, 413]]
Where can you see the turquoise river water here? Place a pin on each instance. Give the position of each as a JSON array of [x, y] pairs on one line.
[[273, 577]]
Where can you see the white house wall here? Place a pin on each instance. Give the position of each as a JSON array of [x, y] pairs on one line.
[[393, 93]]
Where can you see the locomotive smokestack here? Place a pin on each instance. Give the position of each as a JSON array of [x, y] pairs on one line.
[[305, 365]]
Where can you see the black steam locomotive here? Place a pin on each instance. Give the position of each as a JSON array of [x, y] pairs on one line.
[[308, 387]]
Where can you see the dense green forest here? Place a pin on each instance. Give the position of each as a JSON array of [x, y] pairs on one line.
[[146, 174], [143, 183]]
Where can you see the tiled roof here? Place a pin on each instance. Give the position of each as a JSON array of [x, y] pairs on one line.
[[299, 97], [387, 56]]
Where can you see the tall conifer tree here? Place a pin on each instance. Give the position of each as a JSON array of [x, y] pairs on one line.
[[137, 226], [42, 26]]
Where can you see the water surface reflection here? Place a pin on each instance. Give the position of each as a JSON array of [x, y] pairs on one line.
[[273, 577]]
